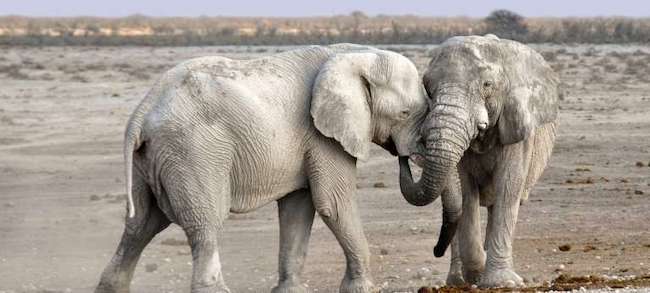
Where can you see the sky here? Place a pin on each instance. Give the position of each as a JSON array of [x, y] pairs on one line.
[[474, 8]]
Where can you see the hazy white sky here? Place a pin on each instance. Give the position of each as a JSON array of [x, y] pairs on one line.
[[638, 8]]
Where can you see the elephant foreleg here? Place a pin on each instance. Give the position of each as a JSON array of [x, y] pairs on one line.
[[296, 212], [499, 271], [332, 179], [511, 177], [469, 236], [455, 275], [347, 230]]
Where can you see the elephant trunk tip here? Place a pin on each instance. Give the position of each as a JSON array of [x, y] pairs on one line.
[[439, 251], [447, 232]]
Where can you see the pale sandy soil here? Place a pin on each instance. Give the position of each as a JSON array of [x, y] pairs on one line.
[[62, 114]]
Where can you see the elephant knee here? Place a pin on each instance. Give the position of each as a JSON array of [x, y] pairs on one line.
[[324, 209], [327, 214]]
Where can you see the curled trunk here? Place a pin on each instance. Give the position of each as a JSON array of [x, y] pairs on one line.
[[447, 137], [412, 192]]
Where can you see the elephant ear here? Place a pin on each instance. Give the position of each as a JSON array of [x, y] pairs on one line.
[[533, 95], [340, 101]]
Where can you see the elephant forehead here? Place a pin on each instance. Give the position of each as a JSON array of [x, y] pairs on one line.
[[472, 50], [481, 49], [478, 40]]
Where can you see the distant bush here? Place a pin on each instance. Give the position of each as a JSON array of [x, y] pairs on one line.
[[506, 24], [357, 27]]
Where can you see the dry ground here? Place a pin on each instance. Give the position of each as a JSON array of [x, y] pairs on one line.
[[63, 110]]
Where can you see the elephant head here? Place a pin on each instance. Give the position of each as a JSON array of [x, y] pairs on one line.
[[484, 91], [365, 95]]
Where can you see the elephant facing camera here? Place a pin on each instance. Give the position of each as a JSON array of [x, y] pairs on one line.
[[494, 105]]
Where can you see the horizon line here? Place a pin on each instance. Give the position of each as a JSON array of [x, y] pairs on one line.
[[305, 16]]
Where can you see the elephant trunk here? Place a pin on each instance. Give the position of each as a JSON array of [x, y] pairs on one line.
[[411, 190], [451, 212], [448, 135], [448, 138]]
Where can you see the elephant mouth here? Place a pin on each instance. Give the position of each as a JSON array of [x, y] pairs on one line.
[[484, 141]]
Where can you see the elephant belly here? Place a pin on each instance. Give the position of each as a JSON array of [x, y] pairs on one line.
[[258, 178]]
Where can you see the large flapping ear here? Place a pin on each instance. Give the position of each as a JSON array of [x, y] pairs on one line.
[[340, 101], [532, 98]]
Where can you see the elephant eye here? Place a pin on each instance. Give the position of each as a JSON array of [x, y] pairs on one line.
[[488, 88], [405, 114], [488, 84]]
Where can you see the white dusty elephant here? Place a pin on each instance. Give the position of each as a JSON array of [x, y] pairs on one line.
[[217, 136], [492, 119]]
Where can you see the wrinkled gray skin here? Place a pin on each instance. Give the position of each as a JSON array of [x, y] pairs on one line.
[[217, 136], [492, 121]]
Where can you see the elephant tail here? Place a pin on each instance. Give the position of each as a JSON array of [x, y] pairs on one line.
[[132, 142]]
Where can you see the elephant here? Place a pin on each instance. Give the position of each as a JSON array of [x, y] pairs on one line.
[[216, 136], [491, 126]]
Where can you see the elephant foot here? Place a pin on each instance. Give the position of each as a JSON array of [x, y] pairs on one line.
[[357, 285], [289, 287], [112, 283], [103, 288], [211, 289], [455, 279], [473, 267], [473, 275], [500, 278]]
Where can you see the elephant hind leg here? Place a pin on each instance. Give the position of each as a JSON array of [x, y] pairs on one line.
[[138, 232], [296, 212], [200, 201], [206, 264]]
